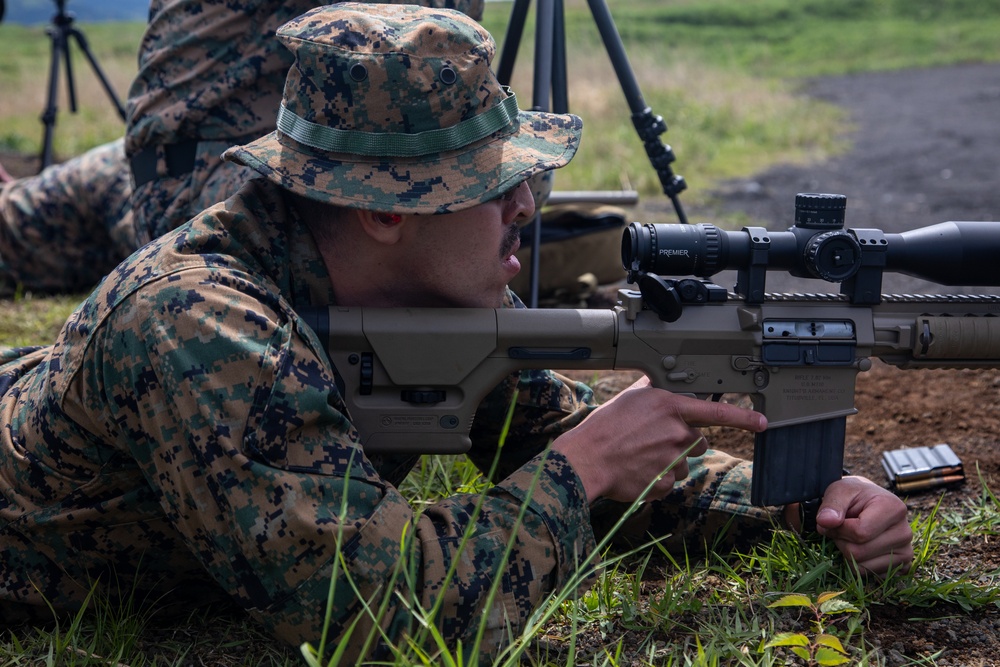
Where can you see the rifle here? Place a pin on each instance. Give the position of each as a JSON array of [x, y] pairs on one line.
[[415, 377]]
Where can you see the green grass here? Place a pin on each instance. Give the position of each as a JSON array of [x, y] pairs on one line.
[[724, 75], [34, 320], [648, 606], [784, 38]]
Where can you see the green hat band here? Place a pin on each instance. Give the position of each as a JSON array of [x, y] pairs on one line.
[[397, 144]]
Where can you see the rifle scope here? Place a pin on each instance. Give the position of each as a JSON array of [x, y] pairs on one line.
[[817, 246]]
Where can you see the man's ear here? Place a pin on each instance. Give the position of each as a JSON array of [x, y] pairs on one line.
[[381, 227]]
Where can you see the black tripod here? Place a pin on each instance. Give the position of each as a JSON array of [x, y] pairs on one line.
[[550, 76], [59, 32]]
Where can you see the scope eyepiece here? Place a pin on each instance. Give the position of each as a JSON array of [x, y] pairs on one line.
[[673, 250]]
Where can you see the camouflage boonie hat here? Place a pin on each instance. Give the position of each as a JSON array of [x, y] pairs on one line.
[[394, 108]]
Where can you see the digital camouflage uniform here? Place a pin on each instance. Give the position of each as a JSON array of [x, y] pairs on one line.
[[64, 229], [185, 438], [210, 76]]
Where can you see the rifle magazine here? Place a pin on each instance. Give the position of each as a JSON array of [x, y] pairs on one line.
[[797, 462]]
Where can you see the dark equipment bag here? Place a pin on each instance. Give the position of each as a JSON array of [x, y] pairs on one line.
[[580, 248]]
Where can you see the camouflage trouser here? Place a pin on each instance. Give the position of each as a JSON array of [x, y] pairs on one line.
[[166, 203], [64, 229]]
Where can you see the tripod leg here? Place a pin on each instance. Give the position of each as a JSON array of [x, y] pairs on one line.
[[648, 126], [560, 80], [542, 87], [512, 41], [616, 52], [549, 68], [85, 48], [544, 26], [70, 84], [49, 114]]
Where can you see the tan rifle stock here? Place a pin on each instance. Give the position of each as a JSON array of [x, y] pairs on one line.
[[415, 377]]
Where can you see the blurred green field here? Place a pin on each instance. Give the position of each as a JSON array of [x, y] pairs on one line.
[[725, 76], [24, 76]]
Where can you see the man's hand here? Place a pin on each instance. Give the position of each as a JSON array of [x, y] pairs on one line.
[[625, 443], [868, 524]]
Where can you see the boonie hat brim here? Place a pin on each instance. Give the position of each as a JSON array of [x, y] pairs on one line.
[[437, 183]]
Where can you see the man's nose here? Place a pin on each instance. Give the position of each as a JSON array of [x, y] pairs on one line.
[[523, 203]]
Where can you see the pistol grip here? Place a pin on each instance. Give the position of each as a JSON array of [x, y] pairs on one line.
[[797, 462]]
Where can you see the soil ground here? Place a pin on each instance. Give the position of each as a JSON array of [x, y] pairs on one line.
[[925, 149]]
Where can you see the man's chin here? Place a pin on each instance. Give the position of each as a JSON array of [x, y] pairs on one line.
[[500, 299]]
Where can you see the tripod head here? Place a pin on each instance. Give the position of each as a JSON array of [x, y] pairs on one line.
[[62, 17]]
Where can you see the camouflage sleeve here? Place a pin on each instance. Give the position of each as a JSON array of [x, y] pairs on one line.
[[546, 406], [710, 507], [228, 404]]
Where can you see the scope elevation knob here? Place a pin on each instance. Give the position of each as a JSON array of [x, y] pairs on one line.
[[815, 210]]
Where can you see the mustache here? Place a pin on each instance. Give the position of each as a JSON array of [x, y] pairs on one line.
[[510, 241]]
